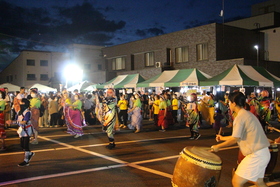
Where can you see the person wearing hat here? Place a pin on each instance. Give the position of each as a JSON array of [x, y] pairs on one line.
[[136, 117]]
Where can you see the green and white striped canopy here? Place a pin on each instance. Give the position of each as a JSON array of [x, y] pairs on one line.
[[176, 78], [242, 75], [123, 81]]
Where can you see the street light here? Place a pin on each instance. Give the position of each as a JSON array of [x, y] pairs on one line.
[[257, 48], [73, 72]]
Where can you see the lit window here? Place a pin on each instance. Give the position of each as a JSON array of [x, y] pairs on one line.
[[149, 59], [182, 54], [118, 63], [44, 77], [31, 77], [30, 62], [43, 63], [202, 51]]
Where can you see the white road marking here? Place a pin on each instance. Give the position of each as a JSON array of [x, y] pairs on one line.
[[121, 163], [59, 175]]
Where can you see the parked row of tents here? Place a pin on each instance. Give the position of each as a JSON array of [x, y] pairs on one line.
[[40, 87], [237, 75]]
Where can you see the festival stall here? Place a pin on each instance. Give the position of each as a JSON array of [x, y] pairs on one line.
[[123, 81], [176, 78], [81, 86], [42, 88], [242, 75], [11, 87]]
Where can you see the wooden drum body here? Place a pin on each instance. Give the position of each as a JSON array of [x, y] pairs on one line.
[[197, 167]]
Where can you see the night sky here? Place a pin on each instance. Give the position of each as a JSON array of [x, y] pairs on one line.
[[53, 24]]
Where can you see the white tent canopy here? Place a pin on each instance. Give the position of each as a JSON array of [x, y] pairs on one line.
[[80, 86], [42, 88], [11, 87]]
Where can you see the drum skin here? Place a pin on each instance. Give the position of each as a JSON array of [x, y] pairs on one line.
[[273, 148], [197, 167]]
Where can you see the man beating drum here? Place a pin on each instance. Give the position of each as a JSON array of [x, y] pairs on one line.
[[249, 135]]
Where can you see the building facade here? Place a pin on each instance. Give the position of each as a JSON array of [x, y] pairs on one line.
[[211, 48], [47, 68], [32, 67]]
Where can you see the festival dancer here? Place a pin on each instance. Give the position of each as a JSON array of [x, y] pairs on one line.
[[136, 117], [109, 115], [3, 135], [264, 112], [73, 116], [162, 119], [254, 104], [253, 143], [25, 130], [192, 115], [168, 117], [277, 107], [35, 104]]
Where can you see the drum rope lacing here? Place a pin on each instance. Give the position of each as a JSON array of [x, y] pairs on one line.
[[200, 160]]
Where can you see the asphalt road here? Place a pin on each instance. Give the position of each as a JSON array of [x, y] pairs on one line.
[[144, 159]]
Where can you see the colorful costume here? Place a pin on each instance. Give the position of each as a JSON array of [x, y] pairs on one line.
[[136, 117], [35, 104], [73, 118], [162, 120], [2, 121], [24, 131], [277, 106], [109, 119], [264, 112], [169, 116], [192, 119], [254, 106]]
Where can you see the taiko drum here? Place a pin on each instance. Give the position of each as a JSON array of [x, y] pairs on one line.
[[197, 167]]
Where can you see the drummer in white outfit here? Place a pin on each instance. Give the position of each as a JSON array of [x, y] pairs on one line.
[[253, 143]]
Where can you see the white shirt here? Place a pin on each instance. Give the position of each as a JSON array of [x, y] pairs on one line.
[[248, 129]]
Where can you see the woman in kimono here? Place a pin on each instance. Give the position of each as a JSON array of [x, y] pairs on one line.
[[35, 104], [136, 117], [75, 118]]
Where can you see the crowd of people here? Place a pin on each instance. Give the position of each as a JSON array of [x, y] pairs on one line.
[[32, 110]]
